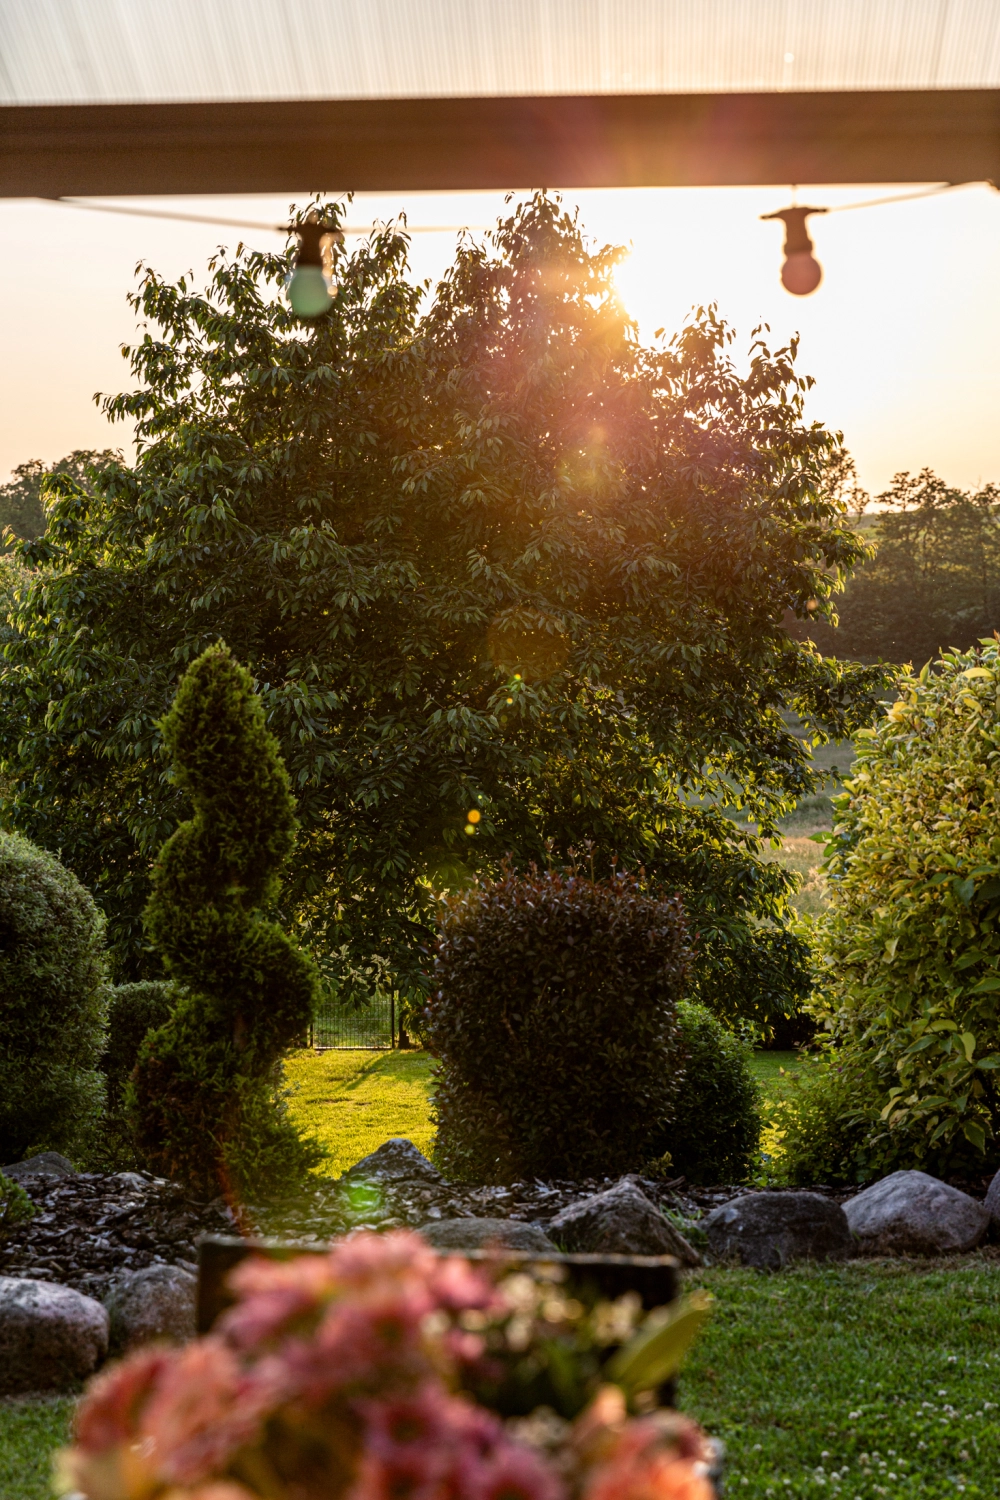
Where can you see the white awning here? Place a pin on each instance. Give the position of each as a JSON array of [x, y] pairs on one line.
[[56, 52]]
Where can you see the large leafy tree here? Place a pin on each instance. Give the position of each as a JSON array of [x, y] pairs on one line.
[[486, 554]]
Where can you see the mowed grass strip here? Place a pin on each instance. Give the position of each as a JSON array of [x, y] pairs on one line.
[[31, 1430], [353, 1101], [866, 1380]]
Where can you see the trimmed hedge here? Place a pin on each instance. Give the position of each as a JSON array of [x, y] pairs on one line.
[[553, 1019], [53, 1005], [714, 1136], [133, 1011]]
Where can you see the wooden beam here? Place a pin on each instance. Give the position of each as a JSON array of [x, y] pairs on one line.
[[607, 140]]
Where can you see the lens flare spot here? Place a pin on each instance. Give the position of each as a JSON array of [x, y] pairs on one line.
[[474, 816]]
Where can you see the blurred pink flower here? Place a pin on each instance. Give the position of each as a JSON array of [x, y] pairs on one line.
[[653, 1460], [276, 1298], [110, 1411], [204, 1407], [513, 1472]]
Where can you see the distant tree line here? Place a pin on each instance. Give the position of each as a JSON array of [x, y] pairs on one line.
[[934, 582], [21, 509]]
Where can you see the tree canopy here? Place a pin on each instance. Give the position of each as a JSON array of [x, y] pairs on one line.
[[21, 507], [506, 578], [934, 582]]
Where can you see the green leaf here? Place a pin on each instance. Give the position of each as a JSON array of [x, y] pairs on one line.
[[965, 889], [974, 1133], [656, 1353]]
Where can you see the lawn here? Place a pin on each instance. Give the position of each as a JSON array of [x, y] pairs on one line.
[[353, 1101], [866, 1380], [30, 1431]]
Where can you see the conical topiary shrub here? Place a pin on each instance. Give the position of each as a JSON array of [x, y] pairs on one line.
[[204, 1099]]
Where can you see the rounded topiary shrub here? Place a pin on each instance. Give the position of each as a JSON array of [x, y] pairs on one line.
[[53, 1005], [553, 1017], [715, 1132]]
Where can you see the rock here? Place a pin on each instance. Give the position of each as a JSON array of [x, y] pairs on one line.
[[485, 1234], [769, 1230], [992, 1202], [396, 1159], [132, 1180], [51, 1337], [913, 1213], [45, 1164], [157, 1302], [620, 1221]]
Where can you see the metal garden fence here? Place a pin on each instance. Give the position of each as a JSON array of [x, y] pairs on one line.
[[370, 1027]]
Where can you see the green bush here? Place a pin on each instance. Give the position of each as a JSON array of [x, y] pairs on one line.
[[15, 1206], [53, 1005], [827, 1124], [908, 954], [553, 1019], [205, 1099], [133, 1010], [714, 1135]]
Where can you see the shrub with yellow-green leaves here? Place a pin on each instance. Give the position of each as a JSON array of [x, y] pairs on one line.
[[908, 954]]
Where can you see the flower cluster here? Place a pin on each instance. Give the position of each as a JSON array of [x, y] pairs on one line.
[[351, 1376]]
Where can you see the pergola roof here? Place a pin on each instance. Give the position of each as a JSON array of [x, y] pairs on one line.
[[159, 51], [106, 96]]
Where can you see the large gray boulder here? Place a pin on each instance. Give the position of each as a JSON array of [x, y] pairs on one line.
[[474, 1233], [911, 1213], [486, 1234], [51, 1337], [770, 1230], [992, 1201], [396, 1160], [157, 1302], [620, 1221], [45, 1164]]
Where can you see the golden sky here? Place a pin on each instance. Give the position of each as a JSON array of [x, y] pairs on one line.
[[903, 335]]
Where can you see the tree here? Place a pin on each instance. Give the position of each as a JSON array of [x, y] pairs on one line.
[[503, 575], [934, 583], [202, 1098], [21, 507]]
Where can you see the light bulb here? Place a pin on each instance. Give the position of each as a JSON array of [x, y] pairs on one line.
[[801, 274], [309, 291]]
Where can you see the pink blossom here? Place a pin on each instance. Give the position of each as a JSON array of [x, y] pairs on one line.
[[512, 1472], [276, 1297], [109, 1413], [651, 1460], [204, 1408]]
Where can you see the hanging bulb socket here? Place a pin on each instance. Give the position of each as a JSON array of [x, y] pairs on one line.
[[310, 287], [801, 272]]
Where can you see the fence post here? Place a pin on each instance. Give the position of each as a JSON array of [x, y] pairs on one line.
[[392, 1019]]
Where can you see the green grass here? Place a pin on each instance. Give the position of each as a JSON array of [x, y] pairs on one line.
[[30, 1432], [884, 1373], [353, 1101], [772, 1071]]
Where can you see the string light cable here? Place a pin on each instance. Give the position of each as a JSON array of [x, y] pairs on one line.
[[310, 286]]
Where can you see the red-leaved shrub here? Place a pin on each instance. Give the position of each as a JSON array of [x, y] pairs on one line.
[[553, 1017]]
